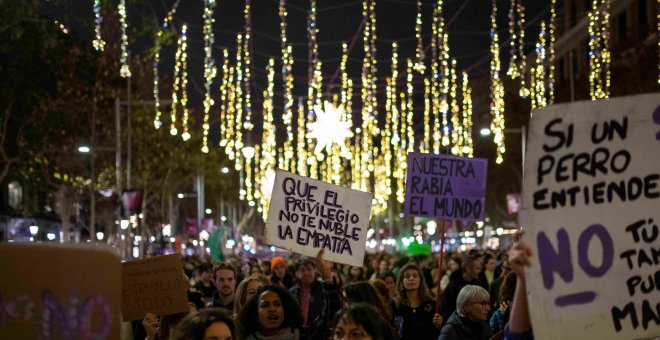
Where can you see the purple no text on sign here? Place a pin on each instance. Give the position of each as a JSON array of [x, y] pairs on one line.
[[444, 186]]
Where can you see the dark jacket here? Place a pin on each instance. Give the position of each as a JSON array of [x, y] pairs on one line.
[[414, 323], [458, 327], [324, 302], [215, 302]]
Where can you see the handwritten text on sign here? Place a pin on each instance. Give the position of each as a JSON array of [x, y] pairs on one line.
[[445, 186], [590, 207], [306, 215], [154, 285]]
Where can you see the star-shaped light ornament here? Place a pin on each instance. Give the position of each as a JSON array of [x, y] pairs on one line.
[[329, 128]]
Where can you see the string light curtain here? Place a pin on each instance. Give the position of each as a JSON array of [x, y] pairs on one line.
[[497, 90], [180, 77], [599, 49], [537, 73]]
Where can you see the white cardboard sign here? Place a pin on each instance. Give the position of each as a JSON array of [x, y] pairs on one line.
[[306, 215], [591, 212]]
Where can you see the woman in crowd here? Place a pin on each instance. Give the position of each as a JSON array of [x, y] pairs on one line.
[[355, 274], [364, 292], [212, 323], [500, 317], [390, 282], [468, 321], [413, 307], [360, 321], [280, 274], [271, 314], [452, 264], [247, 289]]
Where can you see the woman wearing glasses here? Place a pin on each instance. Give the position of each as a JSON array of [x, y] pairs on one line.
[[469, 319]]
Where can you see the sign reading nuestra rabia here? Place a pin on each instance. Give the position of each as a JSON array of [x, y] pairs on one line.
[[306, 215], [591, 211], [444, 186]]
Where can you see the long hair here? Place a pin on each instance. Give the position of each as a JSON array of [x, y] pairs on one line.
[[422, 290], [241, 290], [364, 292], [248, 319], [366, 316], [194, 326]]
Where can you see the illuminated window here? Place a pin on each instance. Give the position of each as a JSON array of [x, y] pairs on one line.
[[15, 193]]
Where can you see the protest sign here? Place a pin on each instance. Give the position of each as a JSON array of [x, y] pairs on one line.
[[444, 186], [591, 211], [59, 292], [306, 215], [155, 285]]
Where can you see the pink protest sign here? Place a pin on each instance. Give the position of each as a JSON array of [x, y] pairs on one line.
[[444, 186]]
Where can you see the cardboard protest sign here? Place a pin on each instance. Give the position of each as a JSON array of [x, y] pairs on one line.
[[56, 291], [591, 211], [306, 215], [444, 186], [155, 285]]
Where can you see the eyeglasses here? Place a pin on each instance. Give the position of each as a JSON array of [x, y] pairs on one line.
[[484, 304]]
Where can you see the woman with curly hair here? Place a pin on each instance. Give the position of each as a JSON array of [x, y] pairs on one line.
[[413, 307], [272, 314]]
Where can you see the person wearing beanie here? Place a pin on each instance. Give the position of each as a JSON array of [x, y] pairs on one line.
[[280, 273]]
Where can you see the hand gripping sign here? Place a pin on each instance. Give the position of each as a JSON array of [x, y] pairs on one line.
[[591, 210]]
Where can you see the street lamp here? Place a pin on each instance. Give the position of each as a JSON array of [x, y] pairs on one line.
[[84, 149], [484, 131], [100, 235], [224, 170], [34, 229]]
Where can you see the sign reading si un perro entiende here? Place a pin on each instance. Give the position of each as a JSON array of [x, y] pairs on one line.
[[591, 211], [445, 186], [306, 215]]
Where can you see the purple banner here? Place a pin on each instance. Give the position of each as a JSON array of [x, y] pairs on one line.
[[444, 186]]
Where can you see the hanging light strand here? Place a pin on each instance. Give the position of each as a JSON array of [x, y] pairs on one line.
[[552, 31], [125, 70], [247, 60], [184, 85], [419, 64], [287, 79], [224, 84], [98, 42], [599, 49], [537, 73], [209, 69], [468, 148], [158, 44], [178, 64], [497, 90]]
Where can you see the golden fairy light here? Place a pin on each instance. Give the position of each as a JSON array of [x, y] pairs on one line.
[[419, 64], [184, 85], [247, 62], [125, 70], [538, 74], [179, 78], [209, 69], [98, 42], [157, 119], [289, 161], [224, 87], [468, 148], [238, 108], [267, 161], [599, 49], [552, 30], [497, 90], [301, 142]]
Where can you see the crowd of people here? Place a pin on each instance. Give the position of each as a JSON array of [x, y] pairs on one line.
[[391, 297]]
